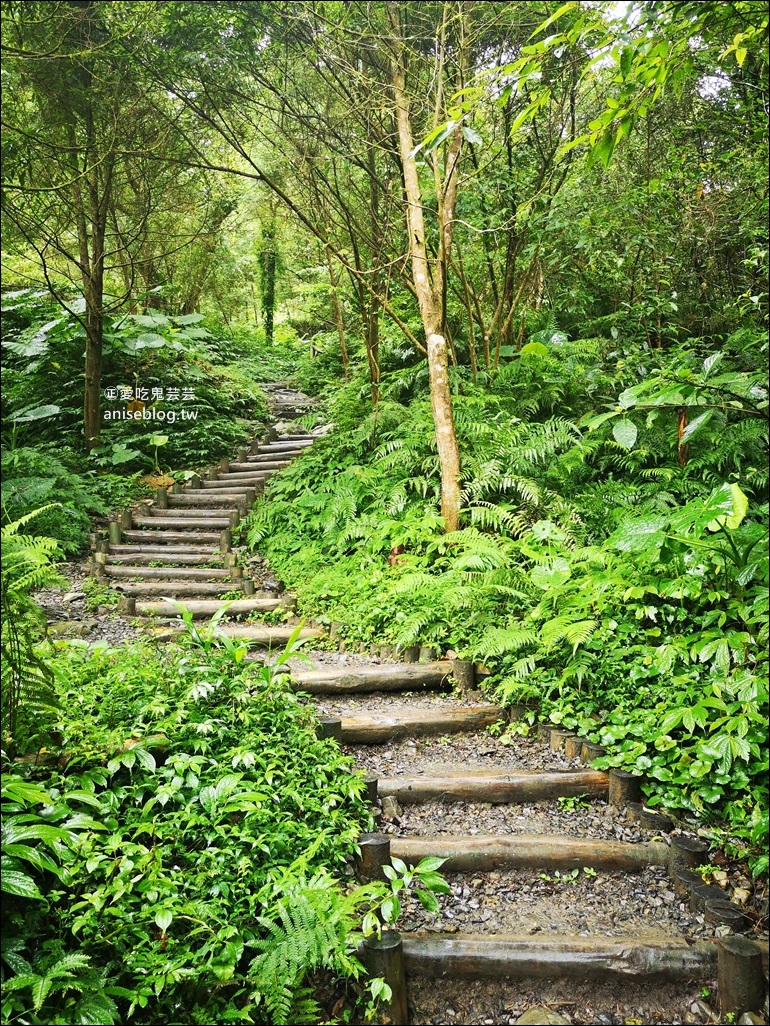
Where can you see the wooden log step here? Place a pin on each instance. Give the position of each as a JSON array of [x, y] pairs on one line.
[[285, 445], [204, 497], [495, 786], [207, 607], [147, 554], [176, 588], [230, 481], [256, 468], [154, 537], [406, 722], [192, 522], [276, 460], [470, 956], [528, 851], [149, 573], [174, 518], [265, 637], [387, 677]]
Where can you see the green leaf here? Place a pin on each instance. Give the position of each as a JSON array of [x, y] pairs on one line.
[[429, 902], [163, 920], [625, 433], [534, 349], [38, 413], [471, 136], [21, 884]]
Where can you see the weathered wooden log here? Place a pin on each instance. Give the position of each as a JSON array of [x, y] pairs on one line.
[[371, 785], [396, 677], [223, 465], [718, 912], [411, 723], [703, 892], [127, 606], [187, 555], [285, 445], [544, 732], [684, 880], [115, 532], [161, 536], [428, 654], [151, 573], [535, 851], [257, 636], [384, 958], [161, 498], [210, 498], [686, 853], [225, 540], [623, 788], [207, 607], [182, 588], [505, 955], [590, 751], [236, 482], [464, 673], [741, 981], [125, 519], [193, 520], [573, 747], [373, 855], [242, 452], [495, 786], [211, 475], [329, 727], [412, 654], [558, 739]]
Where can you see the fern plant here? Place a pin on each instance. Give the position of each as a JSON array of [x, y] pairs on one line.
[[26, 566]]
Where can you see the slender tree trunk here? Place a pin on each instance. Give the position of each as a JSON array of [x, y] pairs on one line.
[[338, 315], [429, 285]]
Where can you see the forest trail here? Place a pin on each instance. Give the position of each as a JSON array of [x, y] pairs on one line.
[[568, 901]]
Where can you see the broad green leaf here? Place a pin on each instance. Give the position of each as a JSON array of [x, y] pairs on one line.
[[695, 425], [12, 881], [471, 136], [38, 413], [625, 433], [734, 501], [163, 920]]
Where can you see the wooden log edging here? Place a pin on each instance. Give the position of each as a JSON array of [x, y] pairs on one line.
[[383, 957], [529, 851], [392, 677], [495, 787], [493, 956]]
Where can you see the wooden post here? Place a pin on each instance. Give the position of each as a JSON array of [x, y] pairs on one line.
[[329, 727], [725, 913], [225, 541], [624, 788], [195, 482], [236, 573], [464, 673], [115, 532], [544, 732], [384, 958], [427, 654], [516, 713], [224, 466], [412, 654], [128, 605], [558, 739], [371, 780], [686, 853], [126, 519], [684, 881], [590, 751], [254, 446], [374, 854], [703, 892], [161, 498], [573, 746], [741, 981], [212, 474], [175, 489], [243, 452], [248, 586], [235, 519]]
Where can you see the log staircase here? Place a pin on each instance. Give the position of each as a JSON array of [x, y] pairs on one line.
[[179, 546]]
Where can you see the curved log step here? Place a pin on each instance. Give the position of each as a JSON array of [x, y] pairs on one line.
[[232, 481], [496, 955], [386, 677], [207, 607], [205, 498], [529, 851], [405, 722], [495, 786]]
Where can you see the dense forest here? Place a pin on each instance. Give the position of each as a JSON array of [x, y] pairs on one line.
[[518, 254]]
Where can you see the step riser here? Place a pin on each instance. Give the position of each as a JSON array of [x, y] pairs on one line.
[[176, 589], [184, 516], [204, 608], [400, 677], [493, 957], [508, 788], [205, 498], [360, 730], [193, 522], [170, 553], [167, 573], [255, 637], [264, 469], [153, 537], [228, 482], [540, 852]]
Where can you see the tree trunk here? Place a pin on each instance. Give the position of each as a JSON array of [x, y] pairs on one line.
[[429, 288]]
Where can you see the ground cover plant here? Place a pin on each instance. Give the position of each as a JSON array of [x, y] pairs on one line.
[[177, 850]]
